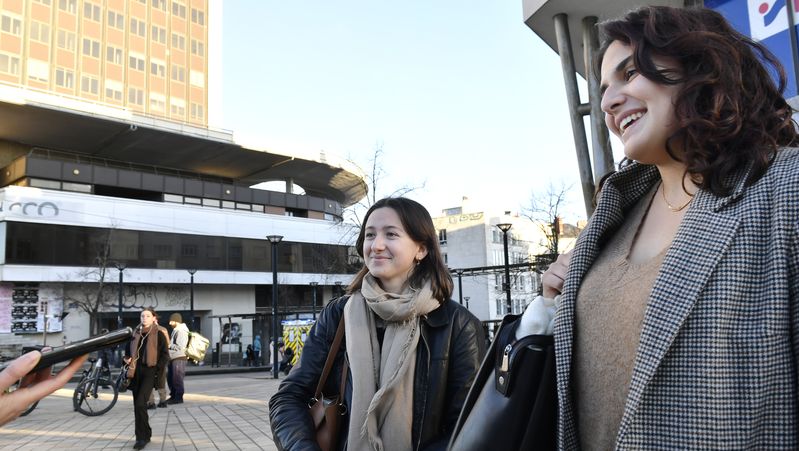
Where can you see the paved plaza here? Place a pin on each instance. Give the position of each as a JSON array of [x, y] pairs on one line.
[[220, 412]]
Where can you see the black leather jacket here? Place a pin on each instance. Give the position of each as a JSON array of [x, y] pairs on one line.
[[448, 356]]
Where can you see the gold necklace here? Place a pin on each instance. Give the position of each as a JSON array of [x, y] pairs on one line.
[[670, 206]]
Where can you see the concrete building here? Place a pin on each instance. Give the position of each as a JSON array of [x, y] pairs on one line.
[[113, 187], [473, 245]]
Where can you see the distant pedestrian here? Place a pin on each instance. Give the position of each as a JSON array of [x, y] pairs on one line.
[[288, 358], [178, 359], [256, 348], [147, 353], [249, 356], [160, 383]]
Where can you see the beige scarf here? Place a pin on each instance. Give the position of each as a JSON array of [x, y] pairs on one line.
[[150, 352], [381, 414]]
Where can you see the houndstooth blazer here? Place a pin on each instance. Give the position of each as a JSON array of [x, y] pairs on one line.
[[716, 366]]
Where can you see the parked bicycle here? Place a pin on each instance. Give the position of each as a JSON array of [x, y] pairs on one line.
[[96, 392]]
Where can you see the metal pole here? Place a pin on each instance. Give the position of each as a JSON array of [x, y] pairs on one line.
[[460, 286], [507, 271], [191, 300], [274, 239], [121, 268], [274, 310], [573, 97], [313, 290], [44, 338], [600, 142]]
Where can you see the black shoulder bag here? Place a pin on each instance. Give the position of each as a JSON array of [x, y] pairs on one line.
[[513, 402]]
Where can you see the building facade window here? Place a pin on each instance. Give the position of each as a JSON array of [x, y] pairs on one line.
[[113, 90], [57, 245], [113, 55], [197, 112], [197, 16], [9, 64], [91, 48], [90, 84], [442, 236], [66, 40], [136, 61], [11, 24], [67, 5], [138, 27], [136, 96], [157, 67], [38, 70], [177, 107], [197, 78], [116, 20], [178, 41], [178, 73], [64, 78], [158, 34], [40, 32], [158, 103], [197, 48], [178, 9], [91, 11]]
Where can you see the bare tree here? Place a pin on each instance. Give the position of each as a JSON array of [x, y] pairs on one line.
[[545, 210], [377, 189], [353, 215], [93, 294]]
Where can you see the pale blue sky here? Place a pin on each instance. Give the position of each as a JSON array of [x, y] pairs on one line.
[[461, 94]]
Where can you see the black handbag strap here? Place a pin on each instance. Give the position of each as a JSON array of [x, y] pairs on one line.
[[331, 356]]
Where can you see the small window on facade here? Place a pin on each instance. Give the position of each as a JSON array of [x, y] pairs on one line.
[[173, 198]]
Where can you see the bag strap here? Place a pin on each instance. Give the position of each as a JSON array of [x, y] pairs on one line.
[[331, 356]]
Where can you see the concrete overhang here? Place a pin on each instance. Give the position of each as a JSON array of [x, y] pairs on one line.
[[116, 134], [539, 16]]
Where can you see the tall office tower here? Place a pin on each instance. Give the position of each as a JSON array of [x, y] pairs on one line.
[[146, 56]]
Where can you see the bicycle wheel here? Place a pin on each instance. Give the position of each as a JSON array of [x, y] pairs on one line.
[[30, 407], [94, 397]]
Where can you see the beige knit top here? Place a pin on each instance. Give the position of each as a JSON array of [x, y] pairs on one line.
[[608, 320]]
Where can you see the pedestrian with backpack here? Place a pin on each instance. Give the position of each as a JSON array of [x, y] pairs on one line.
[[177, 358]]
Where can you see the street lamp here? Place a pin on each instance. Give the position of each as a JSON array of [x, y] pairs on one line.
[[506, 285], [467, 302], [460, 285], [121, 267], [274, 239], [191, 299]]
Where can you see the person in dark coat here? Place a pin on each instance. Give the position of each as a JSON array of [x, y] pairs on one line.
[[147, 356], [412, 352]]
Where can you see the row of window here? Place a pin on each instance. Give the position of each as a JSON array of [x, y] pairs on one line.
[[40, 32], [40, 70], [58, 245], [91, 11], [231, 205], [517, 306]]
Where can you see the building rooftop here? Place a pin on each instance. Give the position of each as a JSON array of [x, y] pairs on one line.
[[539, 14], [67, 124]]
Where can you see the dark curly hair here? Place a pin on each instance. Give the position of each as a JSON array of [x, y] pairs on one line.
[[419, 226], [729, 109]]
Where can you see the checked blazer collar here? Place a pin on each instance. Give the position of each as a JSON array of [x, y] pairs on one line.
[[684, 272]]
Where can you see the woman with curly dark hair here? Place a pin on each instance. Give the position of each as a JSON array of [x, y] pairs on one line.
[[678, 322]]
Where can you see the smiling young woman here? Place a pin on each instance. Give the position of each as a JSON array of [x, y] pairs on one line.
[[412, 351], [679, 312]]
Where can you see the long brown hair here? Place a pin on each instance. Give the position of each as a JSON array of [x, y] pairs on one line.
[[419, 226], [729, 109]]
